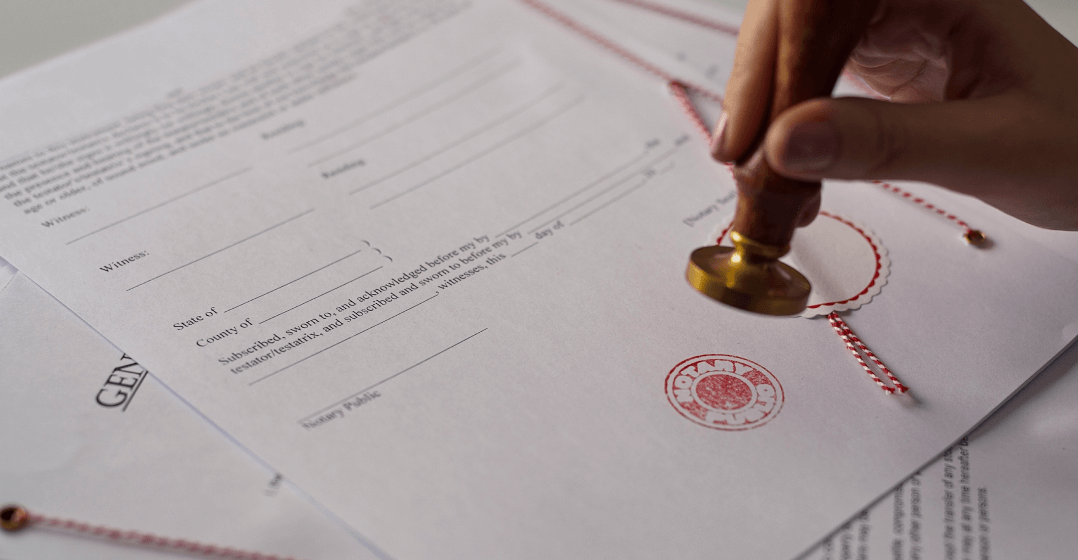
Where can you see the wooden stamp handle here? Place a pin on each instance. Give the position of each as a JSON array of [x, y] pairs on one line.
[[814, 40]]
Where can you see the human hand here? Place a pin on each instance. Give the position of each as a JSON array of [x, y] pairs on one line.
[[983, 101]]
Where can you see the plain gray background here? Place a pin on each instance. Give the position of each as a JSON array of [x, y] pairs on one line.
[[32, 31]]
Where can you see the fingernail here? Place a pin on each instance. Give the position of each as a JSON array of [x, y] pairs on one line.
[[718, 140], [811, 146]]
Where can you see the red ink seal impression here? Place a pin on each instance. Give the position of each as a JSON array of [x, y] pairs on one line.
[[724, 392]]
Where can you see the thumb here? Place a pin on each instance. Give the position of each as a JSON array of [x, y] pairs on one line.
[[957, 144]]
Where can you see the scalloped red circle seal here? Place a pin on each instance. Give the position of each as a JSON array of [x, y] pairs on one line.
[[724, 392]]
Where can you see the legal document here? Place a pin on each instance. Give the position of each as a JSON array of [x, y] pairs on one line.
[[425, 258], [93, 437], [1007, 491]]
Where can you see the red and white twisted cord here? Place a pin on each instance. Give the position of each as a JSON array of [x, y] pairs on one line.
[[973, 236], [617, 49], [17, 518], [853, 344], [681, 95]]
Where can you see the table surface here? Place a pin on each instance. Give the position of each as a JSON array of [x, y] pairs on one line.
[[32, 31]]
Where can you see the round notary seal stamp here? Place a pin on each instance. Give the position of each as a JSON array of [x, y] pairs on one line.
[[724, 392]]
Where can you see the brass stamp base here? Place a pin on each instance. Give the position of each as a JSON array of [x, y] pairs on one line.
[[741, 278]]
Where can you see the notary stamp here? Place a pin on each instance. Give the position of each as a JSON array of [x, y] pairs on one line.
[[724, 392]]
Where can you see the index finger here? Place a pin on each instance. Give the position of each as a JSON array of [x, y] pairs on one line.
[[748, 92]]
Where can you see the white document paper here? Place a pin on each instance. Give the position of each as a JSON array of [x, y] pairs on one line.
[[92, 436], [426, 259], [1010, 491]]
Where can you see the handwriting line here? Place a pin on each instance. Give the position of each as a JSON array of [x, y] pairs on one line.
[[617, 170], [613, 186], [300, 215], [401, 100], [624, 180], [405, 370], [323, 293], [423, 112], [169, 201], [350, 337], [500, 144], [294, 281], [524, 249], [463, 139], [642, 182]]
